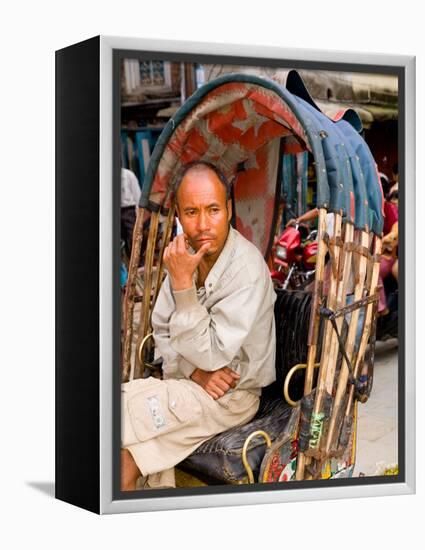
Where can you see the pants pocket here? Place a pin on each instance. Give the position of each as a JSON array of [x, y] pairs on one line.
[[160, 408]]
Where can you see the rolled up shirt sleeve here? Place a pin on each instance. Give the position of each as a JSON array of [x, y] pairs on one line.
[[211, 339], [173, 362]]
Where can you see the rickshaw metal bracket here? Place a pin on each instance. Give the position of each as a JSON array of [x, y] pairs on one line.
[[140, 353], [330, 315], [248, 468], [288, 377]]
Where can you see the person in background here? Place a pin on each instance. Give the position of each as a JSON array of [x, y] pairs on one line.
[[390, 210], [389, 264], [385, 183], [307, 217], [389, 259], [130, 197], [394, 186]]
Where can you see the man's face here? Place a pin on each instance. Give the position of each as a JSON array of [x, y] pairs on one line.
[[203, 210]]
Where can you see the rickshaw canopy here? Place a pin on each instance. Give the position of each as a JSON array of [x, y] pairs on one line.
[[244, 124]]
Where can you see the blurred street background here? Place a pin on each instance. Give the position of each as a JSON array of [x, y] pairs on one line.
[[377, 435]]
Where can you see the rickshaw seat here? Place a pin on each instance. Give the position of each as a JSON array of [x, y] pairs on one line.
[[220, 457]]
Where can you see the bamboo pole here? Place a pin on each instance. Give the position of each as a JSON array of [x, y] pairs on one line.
[[128, 304], [350, 343], [372, 284], [147, 286], [317, 298], [317, 417], [314, 322], [340, 302], [165, 240], [344, 271]]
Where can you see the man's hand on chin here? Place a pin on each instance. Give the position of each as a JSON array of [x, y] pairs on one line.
[[216, 383], [181, 265]]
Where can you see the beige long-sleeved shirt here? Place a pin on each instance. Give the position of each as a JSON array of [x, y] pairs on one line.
[[227, 322]]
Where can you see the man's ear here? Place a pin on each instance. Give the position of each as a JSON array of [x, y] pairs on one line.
[[229, 210]]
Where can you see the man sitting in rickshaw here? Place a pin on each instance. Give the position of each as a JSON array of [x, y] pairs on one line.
[[213, 325]]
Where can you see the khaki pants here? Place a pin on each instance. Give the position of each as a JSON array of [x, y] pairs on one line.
[[164, 421]]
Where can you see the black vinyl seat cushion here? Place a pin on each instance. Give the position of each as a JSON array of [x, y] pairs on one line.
[[221, 456]]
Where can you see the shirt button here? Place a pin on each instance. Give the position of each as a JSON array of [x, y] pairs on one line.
[[172, 404], [210, 285]]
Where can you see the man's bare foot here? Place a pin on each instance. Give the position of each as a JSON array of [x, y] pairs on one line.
[[129, 471]]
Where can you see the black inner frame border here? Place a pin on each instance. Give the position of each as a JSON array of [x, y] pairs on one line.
[[396, 70]]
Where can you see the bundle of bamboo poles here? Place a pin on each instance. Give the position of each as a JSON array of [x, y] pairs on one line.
[[153, 274], [329, 408]]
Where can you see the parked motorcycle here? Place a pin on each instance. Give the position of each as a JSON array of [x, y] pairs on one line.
[[294, 258], [294, 261]]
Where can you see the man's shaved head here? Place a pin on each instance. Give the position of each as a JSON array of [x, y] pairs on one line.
[[202, 166]]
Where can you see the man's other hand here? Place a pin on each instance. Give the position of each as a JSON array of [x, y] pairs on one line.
[[216, 383]]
